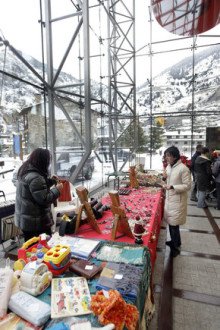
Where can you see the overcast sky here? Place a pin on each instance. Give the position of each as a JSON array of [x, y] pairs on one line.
[[19, 25]]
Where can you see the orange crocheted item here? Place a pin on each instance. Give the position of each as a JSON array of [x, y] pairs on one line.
[[132, 316], [109, 310], [114, 310]]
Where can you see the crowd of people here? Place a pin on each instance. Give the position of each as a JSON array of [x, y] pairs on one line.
[[206, 177], [177, 179]]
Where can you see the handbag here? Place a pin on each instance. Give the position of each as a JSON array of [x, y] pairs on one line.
[[68, 224]]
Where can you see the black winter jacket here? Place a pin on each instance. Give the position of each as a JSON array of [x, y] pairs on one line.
[[216, 170], [192, 165], [33, 201], [203, 173]]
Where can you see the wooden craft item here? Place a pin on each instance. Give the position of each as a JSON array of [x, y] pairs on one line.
[[133, 178], [85, 205], [74, 301], [120, 219], [79, 216]]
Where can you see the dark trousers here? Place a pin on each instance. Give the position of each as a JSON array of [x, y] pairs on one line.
[[194, 190], [30, 234], [218, 194], [175, 237]]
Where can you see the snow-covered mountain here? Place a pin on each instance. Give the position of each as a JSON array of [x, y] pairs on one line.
[[172, 90], [16, 93]]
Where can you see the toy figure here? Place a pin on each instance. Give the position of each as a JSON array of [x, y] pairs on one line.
[[138, 230]]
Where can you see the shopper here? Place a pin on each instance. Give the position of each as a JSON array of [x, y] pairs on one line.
[[34, 195], [203, 176], [193, 196], [216, 173], [177, 183]]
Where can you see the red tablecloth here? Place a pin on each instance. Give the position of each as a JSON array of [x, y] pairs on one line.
[[149, 206]]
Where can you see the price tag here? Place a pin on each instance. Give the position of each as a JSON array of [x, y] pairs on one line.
[[89, 267], [66, 289], [118, 276], [33, 265], [106, 294], [33, 308]]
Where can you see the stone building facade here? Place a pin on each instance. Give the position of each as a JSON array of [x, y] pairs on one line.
[[36, 126]]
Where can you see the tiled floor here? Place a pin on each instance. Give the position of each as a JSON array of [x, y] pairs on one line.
[[186, 288], [190, 298]]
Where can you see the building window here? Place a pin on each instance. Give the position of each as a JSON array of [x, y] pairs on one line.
[[185, 142], [177, 137], [185, 136]]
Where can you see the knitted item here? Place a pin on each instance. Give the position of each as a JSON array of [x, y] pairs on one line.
[[132, 316], [126, 254], [109, 310], [114, 310], [127, 283]]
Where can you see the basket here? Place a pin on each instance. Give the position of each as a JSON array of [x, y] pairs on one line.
[[8, 228]]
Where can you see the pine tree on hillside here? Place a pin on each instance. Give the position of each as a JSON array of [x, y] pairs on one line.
[[127, 139], [157, 136]]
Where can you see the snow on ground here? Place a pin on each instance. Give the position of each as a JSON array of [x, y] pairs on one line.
[[99, 175]]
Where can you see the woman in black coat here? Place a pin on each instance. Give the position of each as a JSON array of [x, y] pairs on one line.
[[203, 176], [34, 195], [216, 173]]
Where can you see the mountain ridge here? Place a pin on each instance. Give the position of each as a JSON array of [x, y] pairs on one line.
[[171, 90]]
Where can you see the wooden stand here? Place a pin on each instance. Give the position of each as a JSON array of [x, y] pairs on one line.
[[133, 178], [83, 196], [120, 219]]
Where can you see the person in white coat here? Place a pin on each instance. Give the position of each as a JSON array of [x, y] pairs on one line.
[[177, 183]]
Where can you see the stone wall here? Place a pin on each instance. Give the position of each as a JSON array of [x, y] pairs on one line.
[[65, 134]]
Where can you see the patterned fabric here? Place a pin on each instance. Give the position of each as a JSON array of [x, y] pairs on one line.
[[128, 255]]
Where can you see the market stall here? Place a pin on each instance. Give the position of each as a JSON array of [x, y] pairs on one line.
[[147, 203], [90, 277]]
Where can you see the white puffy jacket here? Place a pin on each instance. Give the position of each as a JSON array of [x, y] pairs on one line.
[[175, 209]]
